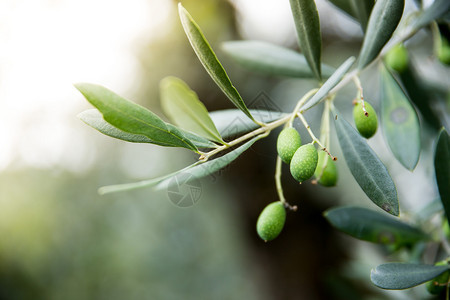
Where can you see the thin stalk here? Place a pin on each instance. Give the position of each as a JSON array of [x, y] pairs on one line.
[[280, 187]]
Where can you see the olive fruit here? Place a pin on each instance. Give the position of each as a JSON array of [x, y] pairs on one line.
[[397, 58], [366, 124], [326, 176], [304, 162], [437, 285], [271, 221], [288, 142]]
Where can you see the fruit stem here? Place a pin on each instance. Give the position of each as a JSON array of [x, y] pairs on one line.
[[299, 105], [280, 187], [360, 95], [313, 137]]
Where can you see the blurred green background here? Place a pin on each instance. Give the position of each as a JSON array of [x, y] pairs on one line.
[[60, 240]]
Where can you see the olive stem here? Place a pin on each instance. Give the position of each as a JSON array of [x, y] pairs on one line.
[[300, 103], [360, 95], [315, 140], [280, 187], [266, 129]]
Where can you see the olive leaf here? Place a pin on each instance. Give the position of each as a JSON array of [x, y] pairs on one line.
[[372, 226], [399, 121], [133, 118], [209, 60], [329, 84], [233, 122], [183, 107], [199, 170], [442, 169], [383, 21], [94, 118], [419, 95], [367, 169], [398, 276], [270, 59], [358, 9], [437, 10], [307, 24]]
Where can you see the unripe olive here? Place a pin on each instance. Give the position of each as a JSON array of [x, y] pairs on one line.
[[288, 142], [444, 52], [366, 124], [437, 285], [397, 58], [326, 176], [304, 162], [271, 221]]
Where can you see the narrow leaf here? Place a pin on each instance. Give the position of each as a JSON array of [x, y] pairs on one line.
[[383, 21], [398, 276], [437, 10], [212, 166], [322, 93], [182, 106], [209, 59], [442, 169], [233, 122], [372, 226], [399, 122], [419, 95], [270, 59], [367, 169], [198, 170], [307, 24], [94, 118], [133, 118], [358, 9]]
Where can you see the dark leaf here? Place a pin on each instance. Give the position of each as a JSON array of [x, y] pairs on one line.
[[398, 276], [307, 23], [383, 21], [367, 169], [372, 226]]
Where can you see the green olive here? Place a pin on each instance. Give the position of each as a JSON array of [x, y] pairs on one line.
[[288, 142], [271, 221], [304, 162], [397, 58], [437, 285], [366, 124], [327, 176]]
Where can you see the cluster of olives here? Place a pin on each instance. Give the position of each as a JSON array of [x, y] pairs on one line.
[[305, 161]]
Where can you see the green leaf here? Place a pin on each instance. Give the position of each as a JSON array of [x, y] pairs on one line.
[[94, 118], [209, 59], [233, 122], [367, 169], [358, 9], [329, 84], [307, 23], [133, 118], [199, 170], [399, 122], [398, 276], [182, 106], [419, 95], [442, 169], [437, 10], [372, 226], [383, 21], [270, 59]]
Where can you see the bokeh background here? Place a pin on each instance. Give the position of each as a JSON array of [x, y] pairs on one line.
[[60, 240]]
